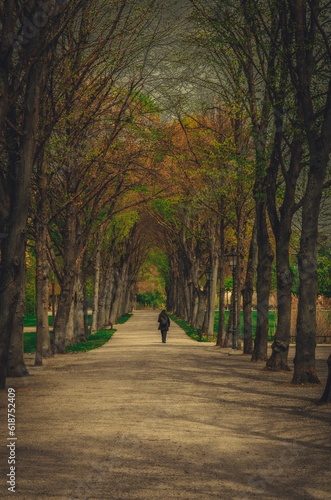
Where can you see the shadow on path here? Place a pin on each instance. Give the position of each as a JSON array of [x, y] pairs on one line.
[[138, 419]]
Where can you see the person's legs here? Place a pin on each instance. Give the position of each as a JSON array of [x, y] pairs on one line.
[[164, 335]]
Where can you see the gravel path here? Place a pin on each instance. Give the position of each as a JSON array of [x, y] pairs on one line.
[[138, 419]]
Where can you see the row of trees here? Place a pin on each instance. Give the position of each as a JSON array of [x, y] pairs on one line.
[[273, 59], [107, 176], [77, 136]]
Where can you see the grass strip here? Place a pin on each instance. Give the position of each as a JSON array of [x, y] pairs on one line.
[[123, 319], [93, 341], [194, 333]]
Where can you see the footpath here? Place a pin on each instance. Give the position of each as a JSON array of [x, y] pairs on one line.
[[140, 420]]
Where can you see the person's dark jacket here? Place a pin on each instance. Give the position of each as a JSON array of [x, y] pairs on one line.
[[164, 321]]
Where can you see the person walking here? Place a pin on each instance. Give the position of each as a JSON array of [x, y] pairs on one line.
[[164, 324]]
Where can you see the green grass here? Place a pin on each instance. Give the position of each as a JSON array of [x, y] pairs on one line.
[[32, 321], [195, 334], [272, 322], [93, 342], [123, 319], [190, 331], [29, 342]]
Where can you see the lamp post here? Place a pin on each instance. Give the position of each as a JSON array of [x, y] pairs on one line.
[[209, 274], [232, 259]]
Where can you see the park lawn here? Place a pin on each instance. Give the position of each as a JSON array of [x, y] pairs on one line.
[[195, 334], [188, 329], [272, 322], [31, 321], [93, 342]]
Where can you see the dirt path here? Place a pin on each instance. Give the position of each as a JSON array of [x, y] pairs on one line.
[[138, 419]]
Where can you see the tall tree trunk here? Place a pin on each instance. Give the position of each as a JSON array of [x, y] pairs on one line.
[[263, 283], [304, 361], [201, 309], [79, 329], [104, 287], [43, 341], [16, 364], [59, 340], [212, 289], [96, 291], [229, 326], [317, 127], [281, 222], [326, 396], [221, 305], [280, 346], [13, 246], [212, 297], [118, 290], [109, 296], [62, 324], [247, 293]]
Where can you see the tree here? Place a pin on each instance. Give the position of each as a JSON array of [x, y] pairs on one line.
[[326, 396], [27, 32], [225, 35], [312, 53]]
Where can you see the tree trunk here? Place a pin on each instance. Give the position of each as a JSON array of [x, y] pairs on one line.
[[59, 337], [96, 295], [221, 308], [78, 320], [304, 361], [280, 346], [326, 397], [263, 283], [105, 278], [43, 341], [221, 305], [212, 290], [13, 246], [63, 324], [16, 364], [201, 309], [109, 296], [118, 291], [229, 326], [247, 293], [281, 222]]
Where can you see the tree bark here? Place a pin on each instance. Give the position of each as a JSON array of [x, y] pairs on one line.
[[16, 364], [280, 346], [78, 320], [63, 331], [304, 361], [221, 306], [326, 396], [229, 326], [247, 293], [96, 291], [13, 246], [318, 136], [263, 283], [43, 341]]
